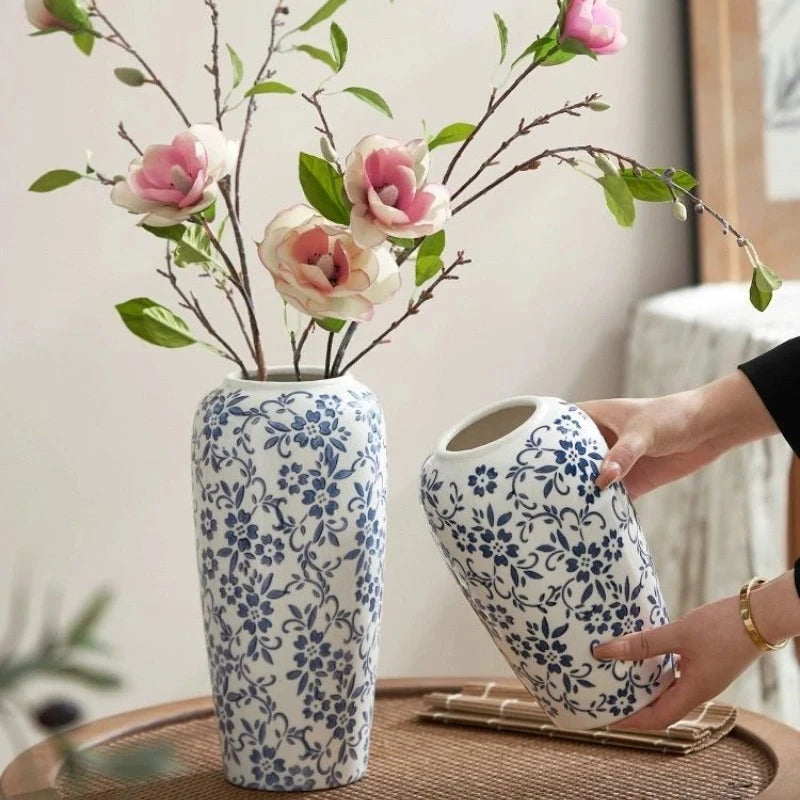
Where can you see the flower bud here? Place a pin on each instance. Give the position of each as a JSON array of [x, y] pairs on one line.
[[679, 210], [599, 105], [699, 208]]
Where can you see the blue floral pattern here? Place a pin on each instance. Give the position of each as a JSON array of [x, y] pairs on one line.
[[290, 511], [551, 565]]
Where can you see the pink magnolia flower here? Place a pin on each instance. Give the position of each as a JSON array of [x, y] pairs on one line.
[[41, 17], [596, 24], [170, 182], [320, 270], [386, 182]]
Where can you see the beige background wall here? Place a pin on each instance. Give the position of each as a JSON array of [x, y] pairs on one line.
[[94, 424]]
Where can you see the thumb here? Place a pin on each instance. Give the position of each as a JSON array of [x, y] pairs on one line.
[[641, 646], [619, 461]]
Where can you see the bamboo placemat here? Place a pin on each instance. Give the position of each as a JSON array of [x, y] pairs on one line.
[[511, 708]]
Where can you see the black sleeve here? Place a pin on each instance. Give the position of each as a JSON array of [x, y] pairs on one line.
[[775, 375]]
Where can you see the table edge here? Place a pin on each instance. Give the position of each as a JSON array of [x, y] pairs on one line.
[[32, 774]]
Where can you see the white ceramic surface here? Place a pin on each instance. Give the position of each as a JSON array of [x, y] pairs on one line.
[[290, 510], [550, 564]]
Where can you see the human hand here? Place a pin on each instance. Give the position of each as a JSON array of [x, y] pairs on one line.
[[713, 650], [658, 440]]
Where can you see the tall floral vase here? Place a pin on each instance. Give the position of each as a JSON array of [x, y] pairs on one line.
[[550, 564], [289, 482]]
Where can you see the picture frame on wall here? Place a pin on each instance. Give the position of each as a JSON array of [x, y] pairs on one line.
[[746, 104]]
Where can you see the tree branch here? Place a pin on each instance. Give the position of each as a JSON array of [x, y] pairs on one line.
[[275, 23], [413, 308], [125, 136], [191, 303], [571, 109], [214, 68], [119, 40], [325, 129], [298, 348]]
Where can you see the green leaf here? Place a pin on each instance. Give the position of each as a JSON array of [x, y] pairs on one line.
[[370, 98], [404, 243], [172, 232], [80, 633], [457, 132], [319, 54], [326, 10], [767, 279], [577, 47], [96, 678], [502, 32], [130, 76], [84, 41], [619, 199], [54, 179], [236, 65], [429, 260], [547, 44], [605, 166], [127, 764], [650, 188], [194, 248], [269, 87], [70, 12], [209, 214], [759, 297], [339, 46], [323, 187], [155, 324], [331, 325]]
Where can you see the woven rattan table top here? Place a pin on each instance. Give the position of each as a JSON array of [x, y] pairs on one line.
[[412, 760]]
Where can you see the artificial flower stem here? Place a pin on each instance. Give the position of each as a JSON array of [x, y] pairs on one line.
[[345, 343], [251, 105], [298, 349], [214, 68], [120, 41], [328, 354]]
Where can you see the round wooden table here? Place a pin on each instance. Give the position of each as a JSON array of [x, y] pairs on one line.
[[412, 760]]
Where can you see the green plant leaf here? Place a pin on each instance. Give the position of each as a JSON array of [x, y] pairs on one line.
[[70, 12], [429, 260], [90, 676], [605, 166], [767, 279], [80, 633], [54, 179], [650, 188], [326, 10], [323, 187], [319, 54], [172, 232], [84, 41], [404, 243], [193, 248], [339, 46], [457, 132], [269, 87], [236, 65], [130, 76], [370, 98], [155, 324], [619, 199], [760, 297], [546, 44], [502, 32], [209, 213], [577, 47], [330, 324]]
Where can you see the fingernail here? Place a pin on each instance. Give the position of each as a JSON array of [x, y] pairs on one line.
[[609, 474]]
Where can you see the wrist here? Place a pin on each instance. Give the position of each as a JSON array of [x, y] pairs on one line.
[[775, 609], [731, 413]]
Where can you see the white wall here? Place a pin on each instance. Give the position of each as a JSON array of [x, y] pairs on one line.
[[94, 423]]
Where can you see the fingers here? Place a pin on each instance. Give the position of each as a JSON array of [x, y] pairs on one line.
[[621, 458], [641, 646], [676, 702]]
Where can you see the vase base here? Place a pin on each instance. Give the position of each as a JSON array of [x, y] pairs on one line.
[[311, 786]]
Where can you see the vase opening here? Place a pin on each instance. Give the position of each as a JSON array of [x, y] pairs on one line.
[[491, 426], [283, 375]]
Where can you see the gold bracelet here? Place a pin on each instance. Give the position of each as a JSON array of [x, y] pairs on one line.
[[747, 618]]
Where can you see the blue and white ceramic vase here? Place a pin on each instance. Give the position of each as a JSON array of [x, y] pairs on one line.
[[550, 564], [289, 484]]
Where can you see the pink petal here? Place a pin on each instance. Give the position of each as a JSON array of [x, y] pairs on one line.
[[310, 245], [380, 165], [358, 281], [420, 206], [406, 182], [157, 164], [341, 258], [191, 152], [195, 191], [312, 275], [170, 197], [383, 213], [362, 225]]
